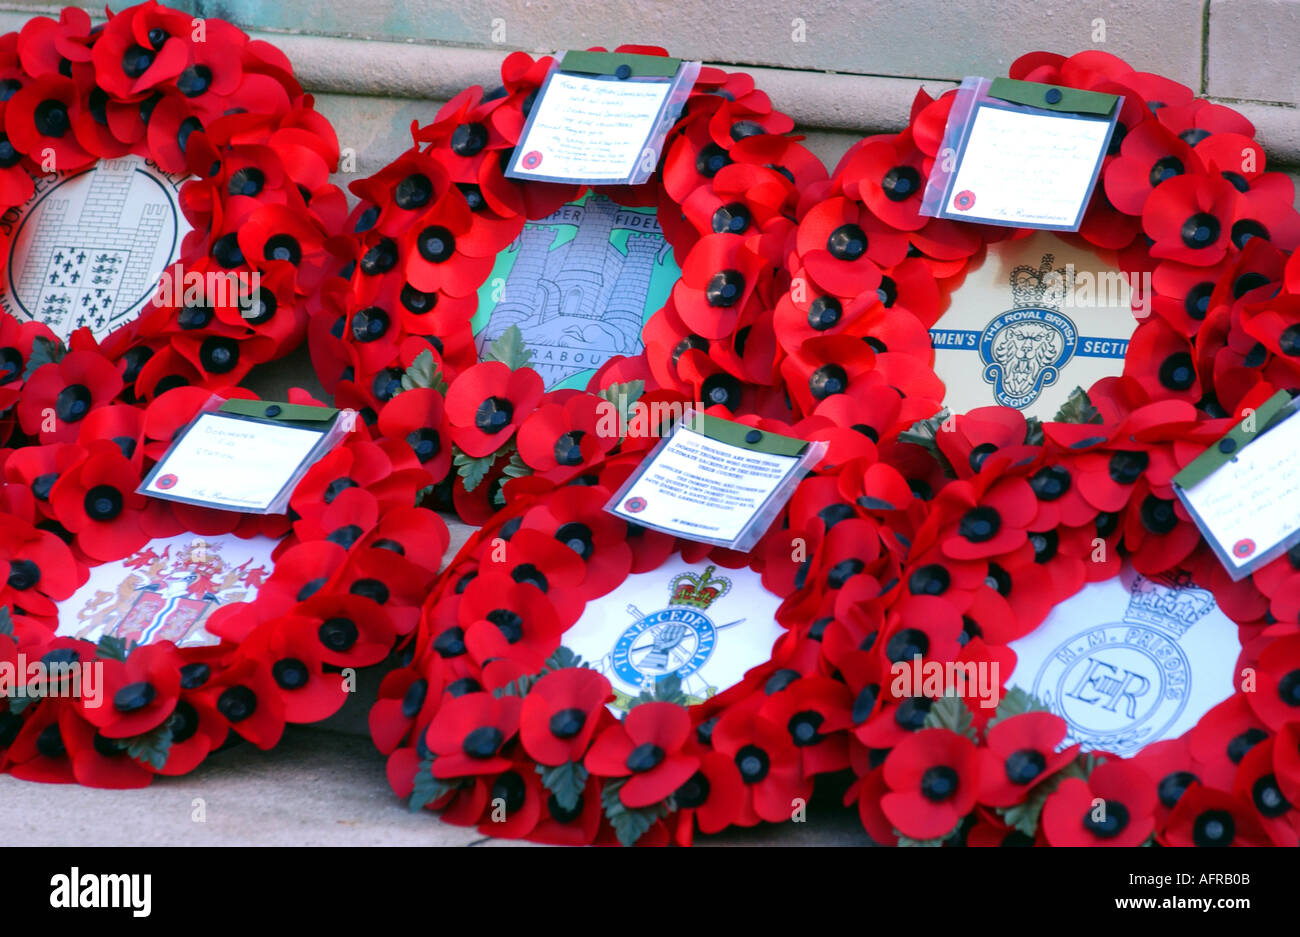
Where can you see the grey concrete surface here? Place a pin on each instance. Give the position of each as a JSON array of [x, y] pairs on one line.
[[316, 788]]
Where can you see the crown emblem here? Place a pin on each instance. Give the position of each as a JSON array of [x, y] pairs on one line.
[[1170, 602], [1043, 288], [698, 591]]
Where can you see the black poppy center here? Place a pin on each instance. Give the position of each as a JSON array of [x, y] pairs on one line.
[[23, 574], [645, 757], [493, 415], [1126, 467], [901, 183], [1050, 482], [568, 448], [931, 579], [1177, 372], [753, 764], [1024, 765], [338, 634], [725, 289], [436, 244], [1158, 515], [1106, 820], [413, 192], [72, 403], [731, 219], [577, 537], [369, 324], [380, 258], [194, 81], [290, 673], [939, 783], [1200, 230], [103, 503], [1214, 828], [1164, 169], [483, 742], [237, 703], [980, 525], [907, 644], [567, 723], [469, 139], [828, 380], [847, 242], [134, 696]]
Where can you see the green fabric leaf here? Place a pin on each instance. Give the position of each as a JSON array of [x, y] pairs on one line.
[[624, 397], [1077, 409], [18, 703], [111, 647], [1015, 702], [1034, 431], [952, 713], [44, 352], [563, 657], [517, 467], [428, 789], [152, 747], [629, 824], [566, 782], [924, 433], [473, 470], [424, 372], [6, 621], [667, 689], [510, 350], [908, 841]]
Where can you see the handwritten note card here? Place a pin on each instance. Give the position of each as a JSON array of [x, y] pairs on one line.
[[1030, 170], [704, 489], [589, 129], [233, 464], [1251, 505]]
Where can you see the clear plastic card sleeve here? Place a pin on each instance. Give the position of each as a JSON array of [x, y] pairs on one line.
[[665, 83], [194, 473], [715, 481], [1243, 492], [1063, 152]]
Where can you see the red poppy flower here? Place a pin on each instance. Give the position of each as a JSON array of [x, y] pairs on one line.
[[1190, 219], [1258, 784], [769, 763], [488, 402], [468, 732], [140, 48], [814, 710], [138, 695], [39, 568], [289, 650], [933, 778], [561, 440], [826, 366], [502, 618], [1209, 817], [647, 748], [561, 713], [842, 244], [994, 519], [59, 396], [97, 501], [1276, 700], [889, 175], [1113, 807], [38, 121], [1221, 739], [1022, 752], [248, 701], [720, 278], [1150, 156]]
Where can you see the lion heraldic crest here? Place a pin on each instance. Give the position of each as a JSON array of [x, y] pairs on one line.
[[1024, 349]]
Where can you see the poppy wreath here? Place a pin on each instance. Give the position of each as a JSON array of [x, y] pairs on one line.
[[351, 563], [1018, 515], [496, 722], [728, 190], [191, 97]]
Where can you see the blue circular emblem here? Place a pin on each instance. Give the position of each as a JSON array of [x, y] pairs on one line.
[[1023, 351], [675, 640]]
